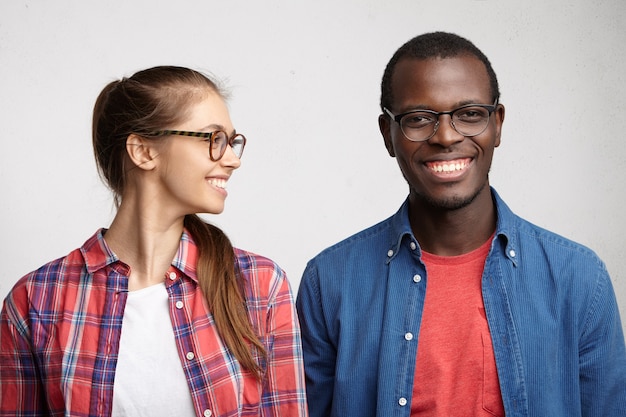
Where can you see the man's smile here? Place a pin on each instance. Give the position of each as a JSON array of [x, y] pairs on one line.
[[449, 166]]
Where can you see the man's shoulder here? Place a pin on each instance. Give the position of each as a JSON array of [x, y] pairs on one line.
[[553, 241], [541, 241], [368, 239]]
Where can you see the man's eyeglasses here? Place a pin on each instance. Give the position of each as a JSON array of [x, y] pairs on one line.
[[421, 125], [218, 140]]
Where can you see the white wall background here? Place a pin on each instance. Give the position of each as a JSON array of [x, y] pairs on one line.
[[305, 81]]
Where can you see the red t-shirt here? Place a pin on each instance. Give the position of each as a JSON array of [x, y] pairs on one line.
[[455, 372]]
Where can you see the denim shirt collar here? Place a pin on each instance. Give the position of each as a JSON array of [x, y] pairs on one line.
[[401, 229], [505, 237], [506, 229]]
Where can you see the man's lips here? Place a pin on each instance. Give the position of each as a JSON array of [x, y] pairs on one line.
[[452, 166]]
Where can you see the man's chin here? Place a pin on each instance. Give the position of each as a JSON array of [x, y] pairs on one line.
[[452, 202]]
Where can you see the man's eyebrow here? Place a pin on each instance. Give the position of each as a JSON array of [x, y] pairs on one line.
[[467, 102], [417, 107], [412, 107]]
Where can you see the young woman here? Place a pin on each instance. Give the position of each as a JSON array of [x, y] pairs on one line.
[[158, 315]]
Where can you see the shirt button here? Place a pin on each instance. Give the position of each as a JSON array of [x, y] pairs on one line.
[[390, 253], [408, 336], [413, 246], [207, 413], [417, 278], [172, 276], [190, 355], [402, 401], [512, 253], [179, 304]]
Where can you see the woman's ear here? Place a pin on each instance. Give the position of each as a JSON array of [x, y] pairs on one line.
[[141, 151]]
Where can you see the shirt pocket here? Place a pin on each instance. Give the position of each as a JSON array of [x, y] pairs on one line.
[[253, 388], [492, 397]]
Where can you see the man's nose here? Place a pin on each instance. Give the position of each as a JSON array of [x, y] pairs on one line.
[[445, 133]]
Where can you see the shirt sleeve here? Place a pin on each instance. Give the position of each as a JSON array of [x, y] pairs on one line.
[[284, 391], [318, 350], [20, 383], [602, 355]]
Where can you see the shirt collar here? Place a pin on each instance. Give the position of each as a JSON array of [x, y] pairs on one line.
[[97, 254], [186, 258], [401, 229], [505, 228]]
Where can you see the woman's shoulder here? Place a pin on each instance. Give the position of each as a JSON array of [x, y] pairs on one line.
[[53, 277], [250, 260], [263, 277], [44, 288]]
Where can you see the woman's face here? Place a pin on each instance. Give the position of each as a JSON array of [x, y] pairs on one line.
[[188, 181]]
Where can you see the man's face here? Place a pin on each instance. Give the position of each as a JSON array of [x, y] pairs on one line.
[[448, 170]]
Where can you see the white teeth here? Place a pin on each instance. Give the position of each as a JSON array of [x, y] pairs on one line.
[[454, 166], [219, 183]]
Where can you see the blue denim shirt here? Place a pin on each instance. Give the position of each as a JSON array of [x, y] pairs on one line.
[[550, 305]]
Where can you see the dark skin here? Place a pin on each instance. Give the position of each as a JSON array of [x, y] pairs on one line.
[[450, 206]]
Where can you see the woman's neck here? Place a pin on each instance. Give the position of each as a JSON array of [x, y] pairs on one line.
[[146, 241]]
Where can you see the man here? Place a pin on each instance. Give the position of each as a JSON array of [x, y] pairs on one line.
[[455, 306]]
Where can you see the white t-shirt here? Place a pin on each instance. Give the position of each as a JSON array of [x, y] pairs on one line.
[[149, 377]]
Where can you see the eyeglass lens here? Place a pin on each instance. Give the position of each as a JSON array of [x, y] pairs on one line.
[[220, 140], [467, 121]]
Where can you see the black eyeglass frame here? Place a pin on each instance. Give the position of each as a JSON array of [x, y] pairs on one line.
[[398, 118], [207, 135]]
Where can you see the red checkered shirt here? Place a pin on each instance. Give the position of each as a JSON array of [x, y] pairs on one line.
[[60, 330]]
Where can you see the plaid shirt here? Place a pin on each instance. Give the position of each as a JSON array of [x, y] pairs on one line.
[[60, 330]]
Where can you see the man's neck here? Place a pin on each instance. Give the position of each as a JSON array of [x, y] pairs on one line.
[[453, 232]]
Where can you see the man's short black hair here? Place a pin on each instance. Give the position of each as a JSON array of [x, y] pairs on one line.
[[434, 45]]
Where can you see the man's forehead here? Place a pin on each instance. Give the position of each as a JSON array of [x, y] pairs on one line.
[[424, 64], [460, 73]]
